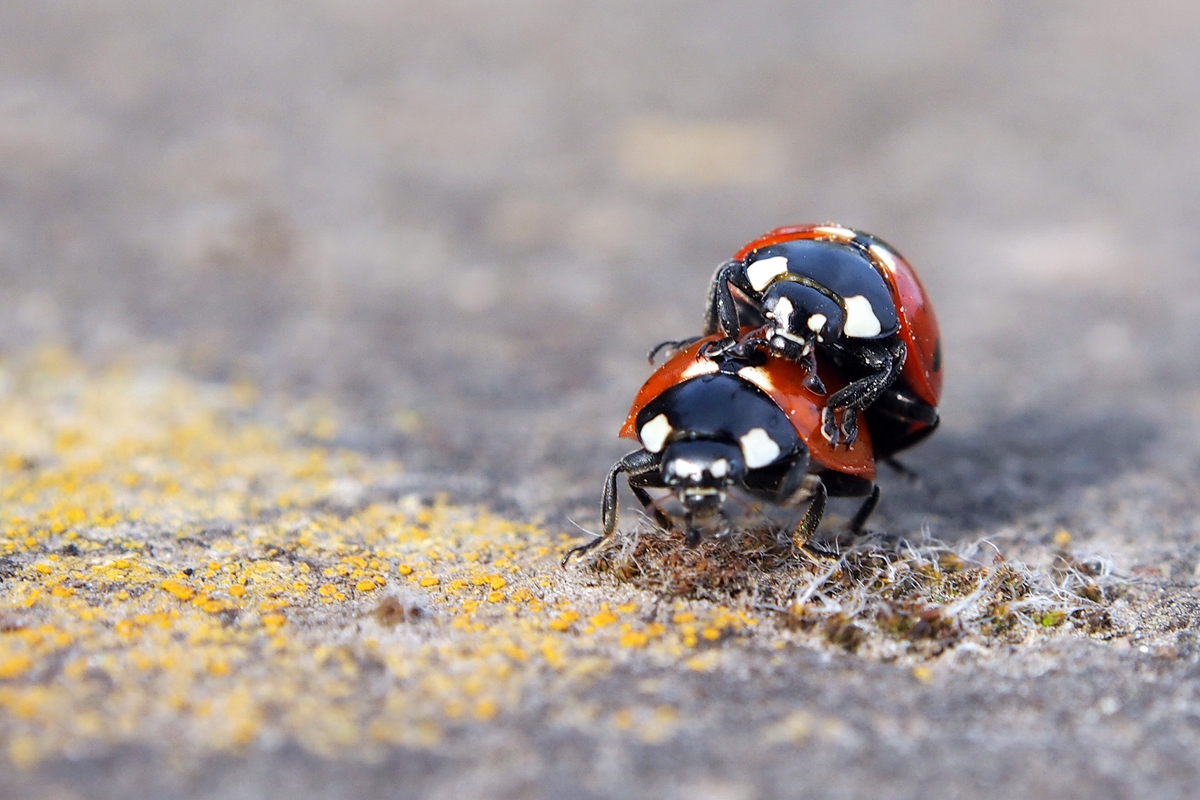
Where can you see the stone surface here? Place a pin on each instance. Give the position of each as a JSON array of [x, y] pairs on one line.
[[455, 229]]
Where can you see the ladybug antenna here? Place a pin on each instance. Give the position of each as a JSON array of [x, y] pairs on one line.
[[749, 346], [813, 382], [671, 346], [581, 528]]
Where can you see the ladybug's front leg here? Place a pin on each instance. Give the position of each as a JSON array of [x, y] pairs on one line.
[[813, 516], [720, 311], [859, 521], [886, 360], [641, 466], [798, 486], [672, 346]]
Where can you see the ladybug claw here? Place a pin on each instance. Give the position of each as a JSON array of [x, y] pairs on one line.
[[813, 381], [849, 428], [829, 426], [845, 434], [718, 348], [747, 347], [579, 550]]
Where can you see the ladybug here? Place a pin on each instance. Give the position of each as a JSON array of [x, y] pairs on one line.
[[742, 422], [826, 292]]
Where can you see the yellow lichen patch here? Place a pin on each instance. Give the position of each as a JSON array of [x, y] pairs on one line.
[[562, 623], [174, 575], [178, 589], [14, 665], [633, 639], [604, 618]]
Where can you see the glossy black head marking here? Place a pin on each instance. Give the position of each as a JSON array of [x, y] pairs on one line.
[[703, 462], [799, 315], [699, 471]]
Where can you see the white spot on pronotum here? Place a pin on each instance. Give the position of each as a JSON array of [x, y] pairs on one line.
[[765, 270], [759, 448], [719, 468], [759, 377], [835, 232], [782, 313], [861, 322], [655, 432], [784, 333], [883, 255], [683, 468], [702, 366], [816, 322]]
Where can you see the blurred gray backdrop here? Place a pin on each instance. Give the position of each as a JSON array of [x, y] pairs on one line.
[[464, 223], [484, 212]]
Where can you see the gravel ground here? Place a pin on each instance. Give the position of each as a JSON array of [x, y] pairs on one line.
[[445, 235]]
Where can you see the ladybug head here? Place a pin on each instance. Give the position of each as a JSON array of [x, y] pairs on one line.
[[798, 314], [699, 471]]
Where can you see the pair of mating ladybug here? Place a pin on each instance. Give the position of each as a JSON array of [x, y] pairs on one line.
[[796, 314]]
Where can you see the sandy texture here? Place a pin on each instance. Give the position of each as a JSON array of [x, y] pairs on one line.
[[298, 298]]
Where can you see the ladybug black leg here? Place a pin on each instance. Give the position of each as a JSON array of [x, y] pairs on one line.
[[746, 348], [726, 313], [887, 360], [797, 485], [903, 470], [813, 382], [671, 346], [639, 466], [720, 312], [812, 517], [865, 511], [719, 347], [652, 479]]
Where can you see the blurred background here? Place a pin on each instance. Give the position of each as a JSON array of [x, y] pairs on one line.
[[462, 224], [455, 227]]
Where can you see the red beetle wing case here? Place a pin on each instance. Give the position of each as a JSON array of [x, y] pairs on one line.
[[918, 325], [783, 382]]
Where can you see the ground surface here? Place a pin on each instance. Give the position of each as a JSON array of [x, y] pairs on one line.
[[318, 322]]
